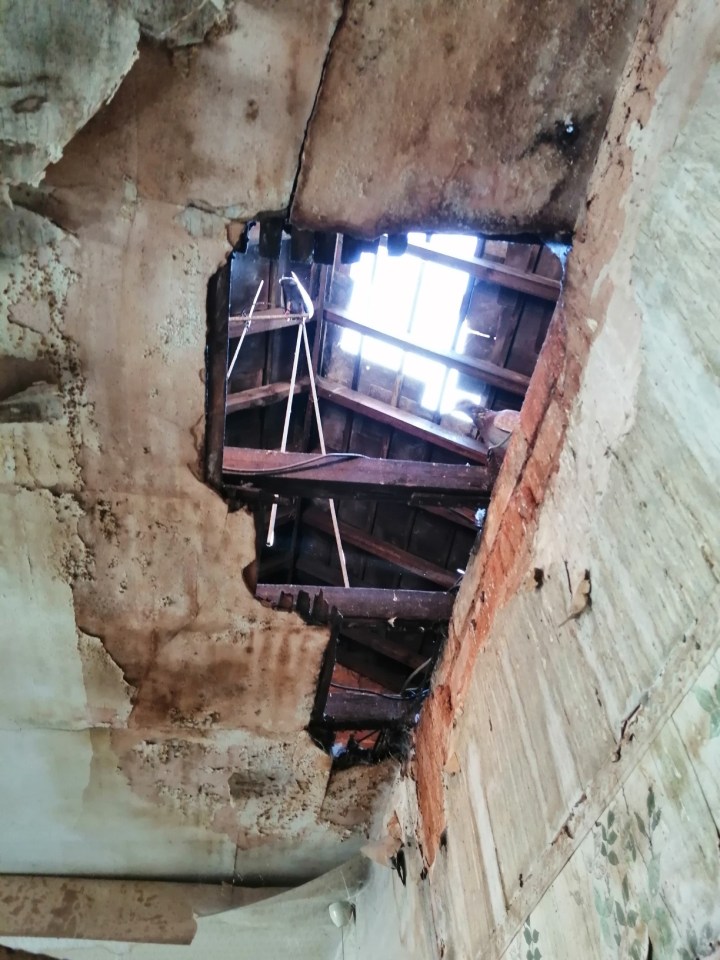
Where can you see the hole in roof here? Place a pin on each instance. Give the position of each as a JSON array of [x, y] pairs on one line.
[[416, 298], [418, 350]]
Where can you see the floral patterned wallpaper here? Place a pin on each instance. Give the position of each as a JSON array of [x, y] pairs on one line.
[[645, 882]]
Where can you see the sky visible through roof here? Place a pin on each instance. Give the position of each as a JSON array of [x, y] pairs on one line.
[[412, 297]]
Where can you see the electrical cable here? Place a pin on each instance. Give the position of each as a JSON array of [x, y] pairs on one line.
[[372, 693], [245, 330], [299, 465], [416, 671]]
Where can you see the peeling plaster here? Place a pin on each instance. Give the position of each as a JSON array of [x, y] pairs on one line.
[[177, 744]]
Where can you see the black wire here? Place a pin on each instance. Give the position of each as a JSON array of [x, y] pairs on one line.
[[299, 465], [372, 693], [367, 736]]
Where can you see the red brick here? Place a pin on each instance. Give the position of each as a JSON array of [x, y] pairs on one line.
[[549, 366]]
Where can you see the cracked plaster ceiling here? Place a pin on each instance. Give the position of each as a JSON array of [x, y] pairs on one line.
[[154, 712]]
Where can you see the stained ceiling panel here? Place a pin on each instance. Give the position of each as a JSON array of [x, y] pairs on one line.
[[483, 115]]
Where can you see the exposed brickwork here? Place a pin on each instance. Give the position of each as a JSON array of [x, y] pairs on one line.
[[534, 453], [530, 462]]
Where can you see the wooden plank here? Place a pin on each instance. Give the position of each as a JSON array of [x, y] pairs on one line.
[[491, 271], [326, 673], [216, 388], [408, 423], [483, 370], [264, 321], [463, 516], [320, 520], [263, 396], [359, 602], [310, 475], [346, 710]]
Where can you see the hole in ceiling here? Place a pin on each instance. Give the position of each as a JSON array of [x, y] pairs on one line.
[[361, 397]]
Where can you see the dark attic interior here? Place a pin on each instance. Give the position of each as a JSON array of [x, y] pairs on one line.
[[361, 396]]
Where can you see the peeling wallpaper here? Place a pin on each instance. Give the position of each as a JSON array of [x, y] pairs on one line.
[[646, 877]]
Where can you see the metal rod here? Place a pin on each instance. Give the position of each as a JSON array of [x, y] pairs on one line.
[[245, 330], [321, 437], [286, 428]]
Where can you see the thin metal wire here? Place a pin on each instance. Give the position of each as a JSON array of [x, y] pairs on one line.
[[416, 671], [372, 693], [286, 429], [321, 437], [245, 330]]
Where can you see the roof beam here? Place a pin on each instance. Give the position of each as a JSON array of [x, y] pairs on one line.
[[352, 477], [490, 373], [408, 423], [265, 321], [359, 710], [360, 602], [263, 396], [408, 562], [492, 272]]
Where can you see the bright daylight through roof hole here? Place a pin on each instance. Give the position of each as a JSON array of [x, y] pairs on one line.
[[361, 398]]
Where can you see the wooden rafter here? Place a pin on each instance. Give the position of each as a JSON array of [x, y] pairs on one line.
[[489, 373], [310, 475], [463, 516], [218, 347], [263, 396], [493, 272], [369, 602], [408, 562], [263, 321], [326, 671], [408, 423], [358, 710]]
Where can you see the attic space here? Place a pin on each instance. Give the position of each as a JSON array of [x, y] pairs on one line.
[[369, 391]]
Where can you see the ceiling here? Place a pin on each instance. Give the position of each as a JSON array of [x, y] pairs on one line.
[[154, 712]]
